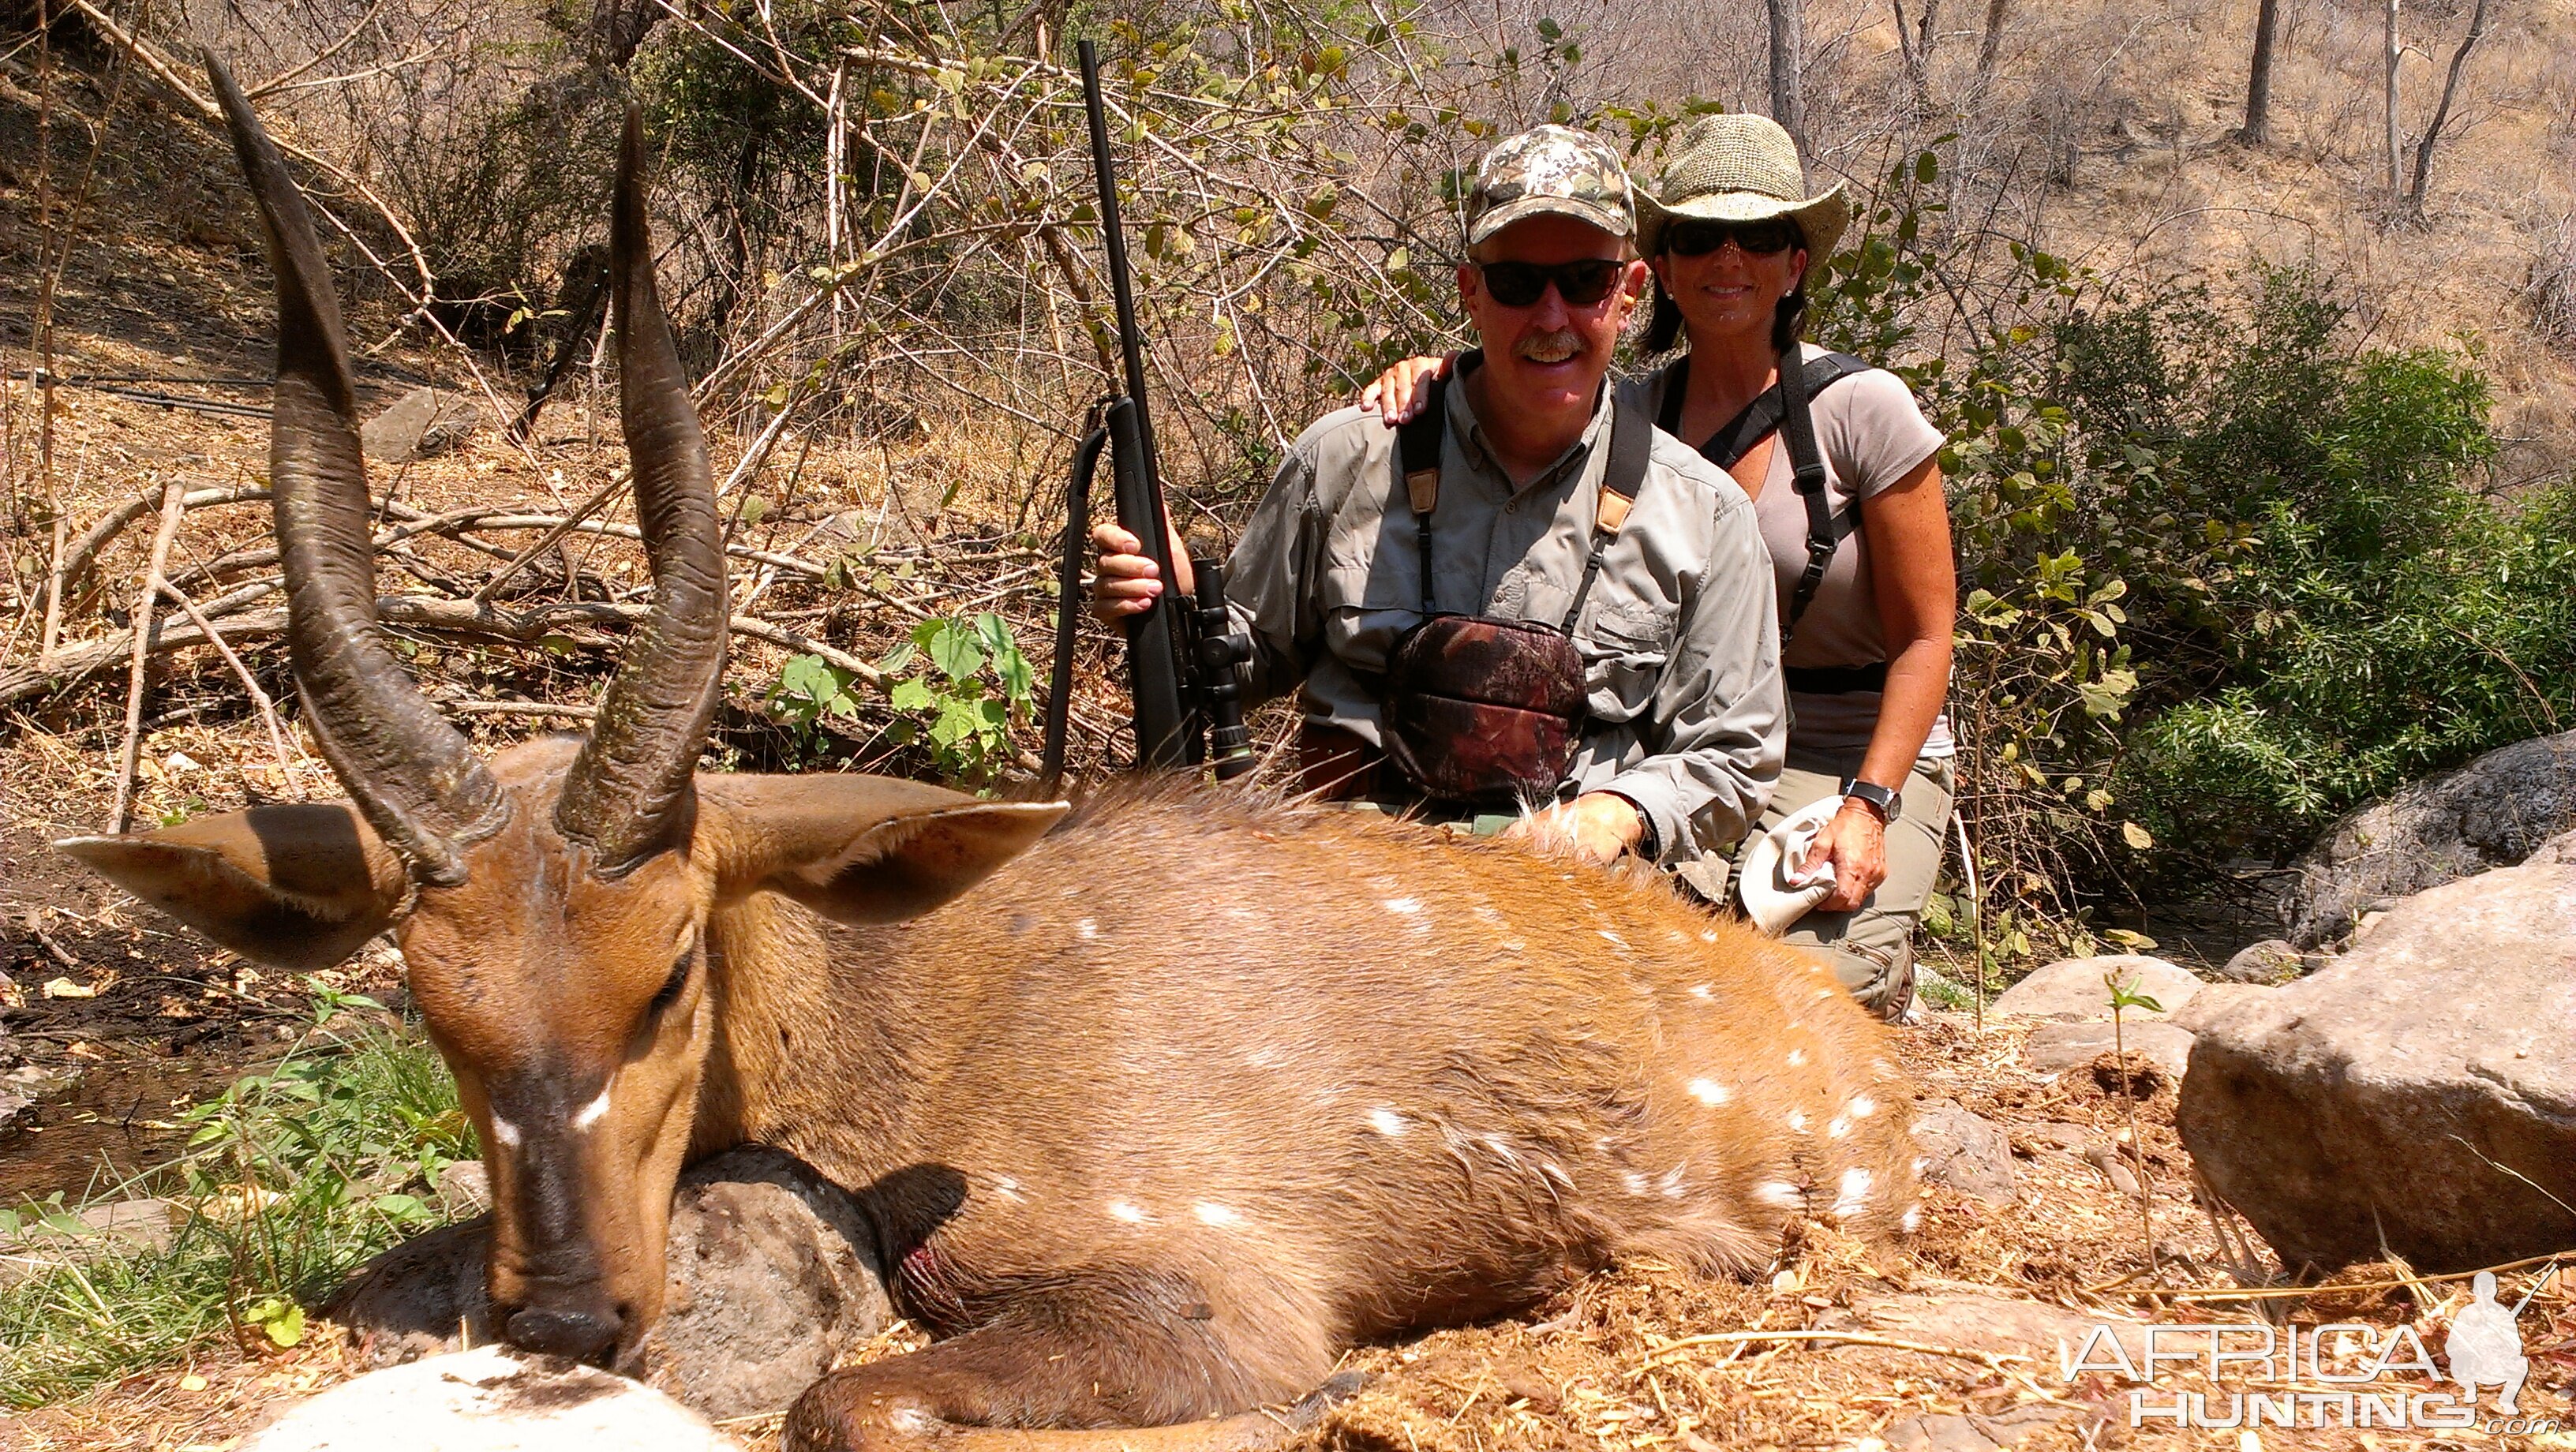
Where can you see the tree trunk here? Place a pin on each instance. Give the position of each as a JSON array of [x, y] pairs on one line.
[[1916, 48], [2258, 82], [1989, 47], [2442, 112], [2394, 52], [1788, 59], [618, 28]]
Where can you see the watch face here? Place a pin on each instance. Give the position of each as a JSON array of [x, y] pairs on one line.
[[1888, 803]]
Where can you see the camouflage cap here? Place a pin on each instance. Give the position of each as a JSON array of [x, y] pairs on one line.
[[1550, 169]]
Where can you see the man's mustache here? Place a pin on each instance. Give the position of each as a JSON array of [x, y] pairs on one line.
[[1553, 346]]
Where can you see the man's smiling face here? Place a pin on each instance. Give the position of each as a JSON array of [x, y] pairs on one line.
[[1548, 353]]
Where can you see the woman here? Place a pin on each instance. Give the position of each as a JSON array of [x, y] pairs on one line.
[[1867, 651]]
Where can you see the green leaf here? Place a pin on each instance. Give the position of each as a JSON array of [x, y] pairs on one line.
[[911, 695], [956, 722], [956, 652], [280, 1320]]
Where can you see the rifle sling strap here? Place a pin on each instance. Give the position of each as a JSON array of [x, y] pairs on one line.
[[1418, 445]]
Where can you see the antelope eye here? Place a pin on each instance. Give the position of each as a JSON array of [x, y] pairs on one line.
[[669, 992]]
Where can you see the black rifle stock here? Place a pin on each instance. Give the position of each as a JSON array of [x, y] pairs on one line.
[[1180, 662]]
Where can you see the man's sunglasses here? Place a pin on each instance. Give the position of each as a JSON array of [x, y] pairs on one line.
[[1581, 283], [1697, 238]]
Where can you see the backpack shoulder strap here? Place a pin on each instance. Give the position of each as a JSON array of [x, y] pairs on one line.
[[1417, 445], [1738, 435], [1632, 447], [1807, 472]]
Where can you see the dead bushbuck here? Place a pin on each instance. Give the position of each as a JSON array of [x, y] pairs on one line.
[[1194, 1091]]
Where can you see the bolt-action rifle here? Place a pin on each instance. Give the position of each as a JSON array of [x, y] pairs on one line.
[[1180, 662]]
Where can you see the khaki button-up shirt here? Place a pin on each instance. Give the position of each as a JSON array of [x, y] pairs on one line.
[[1679, 635]]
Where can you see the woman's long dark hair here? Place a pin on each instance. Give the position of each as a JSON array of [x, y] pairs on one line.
[[1788, 323]]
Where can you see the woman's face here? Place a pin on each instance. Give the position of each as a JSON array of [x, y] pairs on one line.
[[1726, 293]]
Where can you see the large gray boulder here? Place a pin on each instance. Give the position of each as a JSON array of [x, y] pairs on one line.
[[2493, 812], [418, 424], [2072, 989], [2419, 1089], [772, 1272]]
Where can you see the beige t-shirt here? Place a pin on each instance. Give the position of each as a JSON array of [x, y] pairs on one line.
[[1871, 434]]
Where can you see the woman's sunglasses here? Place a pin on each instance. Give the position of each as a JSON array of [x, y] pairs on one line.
[[1581, 283], [1696, 238]]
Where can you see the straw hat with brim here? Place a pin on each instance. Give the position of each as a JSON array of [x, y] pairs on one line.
[[1740, 169]]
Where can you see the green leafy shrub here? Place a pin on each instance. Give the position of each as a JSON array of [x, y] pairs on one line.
[[291, 1178], [973, 685], [957, 688]]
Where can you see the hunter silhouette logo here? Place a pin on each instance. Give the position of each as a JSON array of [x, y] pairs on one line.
[[2485, 1347], [2344, 1374]]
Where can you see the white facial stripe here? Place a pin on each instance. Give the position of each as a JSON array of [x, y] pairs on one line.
[[597, 1109]]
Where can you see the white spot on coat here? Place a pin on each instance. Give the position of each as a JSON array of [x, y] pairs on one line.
[[1611, 938], [596, 1110], [1797, 1057], [1837, 1127], [1779, 1194], [1404, 906], [1126, 1210], [1086, 930], [1671, 1184], [1922, 1163], [1861, 1107], [1709, 1091], [1701, 990], [1852, 1194], [1636, 1183], [1798, 1121], [1387, 1122], [1006, 1188], [1211, 1213], [1709, 936], [1911, 1220], [1556, 1172], [504, 1131]]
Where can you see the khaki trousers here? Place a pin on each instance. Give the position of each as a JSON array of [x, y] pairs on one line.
[[1872, 948]]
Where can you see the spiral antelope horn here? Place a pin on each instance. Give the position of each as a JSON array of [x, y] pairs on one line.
[[416, 780], [630, 791]]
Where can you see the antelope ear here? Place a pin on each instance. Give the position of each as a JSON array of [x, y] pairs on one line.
[[862, 849], [297, 887]]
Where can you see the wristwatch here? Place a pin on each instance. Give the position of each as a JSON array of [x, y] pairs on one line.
[[1888, 803]]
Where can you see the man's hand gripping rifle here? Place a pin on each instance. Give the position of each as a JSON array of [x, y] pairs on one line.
[[1180, 664]]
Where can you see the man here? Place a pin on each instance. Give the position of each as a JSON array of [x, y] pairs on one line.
[[1652, 567]]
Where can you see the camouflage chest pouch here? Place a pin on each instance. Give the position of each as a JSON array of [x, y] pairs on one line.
[[1483, 711]]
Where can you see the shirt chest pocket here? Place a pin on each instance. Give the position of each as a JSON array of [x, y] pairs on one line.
[[1364, 607], [1625, 648]]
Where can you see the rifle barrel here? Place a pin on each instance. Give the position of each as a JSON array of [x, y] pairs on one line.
[[1167, 734]]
